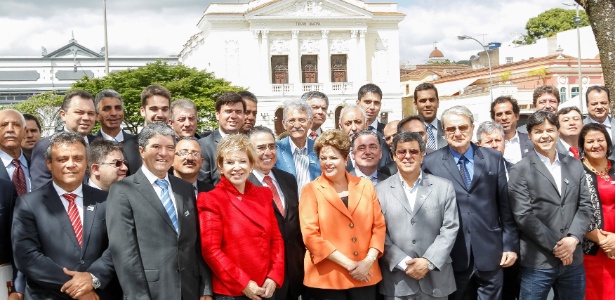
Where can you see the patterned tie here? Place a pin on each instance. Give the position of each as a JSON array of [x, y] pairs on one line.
[[165, 198], [73, 215], [575, 152], [313, 135], [371, 128], [276, 195], [302, 167], [431, 139], [465, 175], [19, 179]]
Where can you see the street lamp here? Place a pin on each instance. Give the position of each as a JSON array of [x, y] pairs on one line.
[[486, 48], [106, 43], [577, 21]]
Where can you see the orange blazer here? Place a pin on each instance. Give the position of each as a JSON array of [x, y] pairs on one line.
[[327, 225]]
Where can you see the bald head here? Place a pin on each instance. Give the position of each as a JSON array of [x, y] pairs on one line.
[[389, 132]]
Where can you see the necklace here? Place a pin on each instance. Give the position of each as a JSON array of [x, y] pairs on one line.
[[604, 174]]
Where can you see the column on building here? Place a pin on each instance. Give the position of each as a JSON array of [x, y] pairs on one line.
[[265, 59], [294, 62], [353, 58], [362, 63], [324, 60], [256, 34]]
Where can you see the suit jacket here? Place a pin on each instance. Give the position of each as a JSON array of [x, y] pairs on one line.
[[131, 151], [38, 167], [328, 225], [560, 148], [202, 186], [5, 175], [382, 176], [44, 242], [543, 215], [152, 261], [440, 139], [380, 127], [294, 250], [286, 163], [487, 225], [525, 144], [8, 194], [240, 237], [426, 230], [208, 149]]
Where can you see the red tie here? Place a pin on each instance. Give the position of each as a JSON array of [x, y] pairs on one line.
[[73, 214], [313, 135], [276, 196], [19, 179], [575, 152]]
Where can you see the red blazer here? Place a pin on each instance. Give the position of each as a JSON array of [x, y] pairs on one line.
[[240, 237]]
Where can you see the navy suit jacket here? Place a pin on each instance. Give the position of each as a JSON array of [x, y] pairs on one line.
[[8, 194], [286, 163], [487, 227], [44, 242]]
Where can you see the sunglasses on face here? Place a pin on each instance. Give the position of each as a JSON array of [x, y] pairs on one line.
[[117, 163], [401, 153], [453, 129]]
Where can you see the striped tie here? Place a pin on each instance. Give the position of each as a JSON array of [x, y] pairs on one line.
[[73, 215], [431, 139], [302, 167], [165, 198], [465, 174]]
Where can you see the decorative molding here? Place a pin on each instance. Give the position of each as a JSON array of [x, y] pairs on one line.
[[325, 34], [256, 33], [362, 33], [353, 34], [382, 45], [279, 46], [339, 46], [309, 46], [303, 8], [295, 34], [265, 33]]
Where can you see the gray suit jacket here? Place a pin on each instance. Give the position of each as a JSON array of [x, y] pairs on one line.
[[208, 149], [152, 261], [429, 230], [543, 216], [382, 176]]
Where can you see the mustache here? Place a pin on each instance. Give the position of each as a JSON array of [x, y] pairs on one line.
[[10, 134]]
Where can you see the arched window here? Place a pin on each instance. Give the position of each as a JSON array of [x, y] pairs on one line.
[[562, 94]]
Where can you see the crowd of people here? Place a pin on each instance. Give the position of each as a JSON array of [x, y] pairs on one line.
[[408, 210]]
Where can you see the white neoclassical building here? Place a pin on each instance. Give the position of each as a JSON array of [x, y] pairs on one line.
[[280, 49]]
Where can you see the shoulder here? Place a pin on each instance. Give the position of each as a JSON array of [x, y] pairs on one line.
[[179, 184], [281, 174], [436, 180], [98, 195], [128, 135], [438, 154], [384, 186], [284, 143]]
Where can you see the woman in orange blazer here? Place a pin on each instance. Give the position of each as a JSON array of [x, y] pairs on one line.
[[240, 238], [342, 225]]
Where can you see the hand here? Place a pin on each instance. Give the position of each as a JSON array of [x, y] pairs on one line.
[[252, 291], [80, 284], [361, 272], [508, 259], [206, 298], [417, 268], [15, 296], [608, 243], [269, 286], [89, 296], [565, 248]]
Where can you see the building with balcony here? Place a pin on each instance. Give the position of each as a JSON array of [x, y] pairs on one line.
[[280, 49]]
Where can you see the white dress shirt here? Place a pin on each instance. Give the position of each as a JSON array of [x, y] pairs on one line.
[[411, 193], [373, 125], [512, 149], [7, 161], [92, 184], [554, 168], [567, 146], [261, 177], [152, 180], [373, 177], [78, 200], [118, 138]]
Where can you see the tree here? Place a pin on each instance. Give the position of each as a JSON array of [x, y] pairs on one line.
[[45, 107], [549, 23], [601, 15], [183, 82]]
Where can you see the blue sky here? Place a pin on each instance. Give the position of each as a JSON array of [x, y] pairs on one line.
[[161, 27]]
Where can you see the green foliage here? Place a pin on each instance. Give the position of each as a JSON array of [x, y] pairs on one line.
[[551, 22], [183, 82], [445, 62], [43, 106]]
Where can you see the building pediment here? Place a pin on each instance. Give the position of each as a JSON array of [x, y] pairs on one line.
[[71, 50], [308, 9]]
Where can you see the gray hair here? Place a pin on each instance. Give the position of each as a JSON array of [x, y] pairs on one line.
[[261, 129], [405, 137], [63, 138], [108, 93], [185, 104], [23, 119], [152, 129], [362, 133], [302, 106], [348, 107], [460, 111], [488, 127], [315, 94], [100, 148]]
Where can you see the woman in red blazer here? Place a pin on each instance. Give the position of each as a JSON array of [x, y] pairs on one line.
[[342, 225], [240, 238]]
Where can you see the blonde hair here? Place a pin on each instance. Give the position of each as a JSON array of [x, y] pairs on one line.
[[235, 143], [334, 138]]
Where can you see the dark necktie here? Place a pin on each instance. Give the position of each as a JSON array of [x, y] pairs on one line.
[[73, 215], [431, 139], [19, 178], [276, 195], [575, 152], [465, 175]]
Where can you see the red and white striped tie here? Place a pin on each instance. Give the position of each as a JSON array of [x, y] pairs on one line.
[[73, 214]]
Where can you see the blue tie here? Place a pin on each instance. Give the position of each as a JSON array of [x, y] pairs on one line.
[[465, 175], [431, 139], [165, 198]]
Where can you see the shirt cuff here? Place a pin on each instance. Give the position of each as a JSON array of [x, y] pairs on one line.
[[402, 265]]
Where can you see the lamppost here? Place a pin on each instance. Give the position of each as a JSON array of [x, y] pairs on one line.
[[577, 21], [106, 44], [486, 48]]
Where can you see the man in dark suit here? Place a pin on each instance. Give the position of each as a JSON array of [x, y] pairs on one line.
[[251, 111], [32, 134], [14, 165], [426, 103], [78, 113], [110, 114], [366, 153], [319, 103], [570, 125], [59, 236], [107, 164], [8, 194], [598, 100], [187, 164], [543, 185], [487, 239], [286, 209], [505, 110], [230, 109], [153, 227], [370, 100]]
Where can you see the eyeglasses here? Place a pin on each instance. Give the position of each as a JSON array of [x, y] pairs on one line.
[[116, 163], [453, 129], [293, 122], [401, 153], [264, 147], [185, 153]]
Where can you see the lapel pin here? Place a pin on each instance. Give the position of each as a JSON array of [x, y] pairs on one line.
[[187, 213], [525, 150], [91, 208], [566, 180]]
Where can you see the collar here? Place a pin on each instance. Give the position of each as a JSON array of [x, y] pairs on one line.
[[514, 139], [118, 138], [293, 147], [261, 176], [228, 186], [374, 125], [418, 181], [78, 191], [546, 160], [151, 177], [433, 123], [606, 123], [469, 153], [92, 184], [373, 175], [222, 134], [566, 145], [7, 159]]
